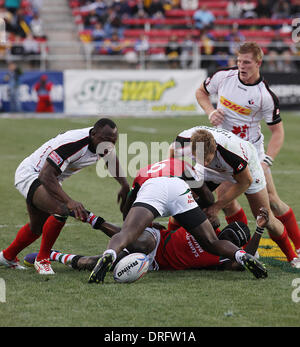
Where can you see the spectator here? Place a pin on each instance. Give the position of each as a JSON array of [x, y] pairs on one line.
[[98, 36], [114, 46], [235, 39], [234, 9], [13, 80], [277, 45], [248, 9], [113, 23], [281, 9], [17, 48], [155, 9], [186, 51], [263, 9], [221, 53], [203, 18], [31, 50], [173, 52], [207, 49], [12, 5], [36, 26], [43, 88], [189, 4], [287, 65], [142, 44], [295, 9]]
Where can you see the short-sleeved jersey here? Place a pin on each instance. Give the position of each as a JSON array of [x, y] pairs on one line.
[[232, 155], [68, 153], [171, 167], [244, 105], [178, 250]]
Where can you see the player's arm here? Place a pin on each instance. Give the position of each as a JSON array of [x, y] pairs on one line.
[[215, 116], [251, 248], [115, 169], [48, 178], [275, 143], [131, 196], [243, 182]]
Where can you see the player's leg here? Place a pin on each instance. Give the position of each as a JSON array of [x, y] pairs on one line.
[[282, 211], [275, 228], [27, 234], [57, 212], [138, 218], [233, 211], [198, 225]]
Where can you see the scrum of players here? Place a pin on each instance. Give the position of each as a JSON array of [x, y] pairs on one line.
[[230, 161]]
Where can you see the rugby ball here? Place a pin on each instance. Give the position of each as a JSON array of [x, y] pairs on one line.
[[131, 268]]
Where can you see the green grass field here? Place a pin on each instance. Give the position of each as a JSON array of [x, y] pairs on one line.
[[160, 299]]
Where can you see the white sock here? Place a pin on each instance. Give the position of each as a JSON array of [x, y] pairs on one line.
[[112, 252], [239, 255]]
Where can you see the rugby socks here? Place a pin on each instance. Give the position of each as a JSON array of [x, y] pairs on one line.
[[238, 255], [284, 244], [51, 231], [289, 221], [62, 258], [240, 216], [24, 238]]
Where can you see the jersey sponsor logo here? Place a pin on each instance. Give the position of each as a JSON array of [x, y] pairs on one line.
[[235, 107], [56, 158]]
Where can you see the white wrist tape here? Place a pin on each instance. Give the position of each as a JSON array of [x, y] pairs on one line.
[[268, 160], [211, 113]]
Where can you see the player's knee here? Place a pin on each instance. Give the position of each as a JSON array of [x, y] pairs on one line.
[[36, 228], [62, 210]]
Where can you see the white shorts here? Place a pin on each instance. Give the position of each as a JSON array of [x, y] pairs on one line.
[[24, 177], [260, 148], [151, 256], [169, 196]]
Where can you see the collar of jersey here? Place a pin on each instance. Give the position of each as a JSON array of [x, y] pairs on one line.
[[250, 84]]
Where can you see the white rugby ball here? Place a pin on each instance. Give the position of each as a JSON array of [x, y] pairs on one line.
[[131, 268]]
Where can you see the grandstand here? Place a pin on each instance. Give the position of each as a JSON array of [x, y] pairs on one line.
[[61, 33], [56, 35]]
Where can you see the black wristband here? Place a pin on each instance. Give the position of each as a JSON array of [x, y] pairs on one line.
[[98, 223]]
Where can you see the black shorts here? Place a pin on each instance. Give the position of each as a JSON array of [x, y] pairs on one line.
[[34, 185]]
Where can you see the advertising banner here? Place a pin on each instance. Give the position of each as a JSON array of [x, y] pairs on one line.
[[287, 88], [132, 92], [33, 91]]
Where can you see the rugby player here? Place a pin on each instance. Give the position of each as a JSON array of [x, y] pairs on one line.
[[38, 178], [169, 249], [244, 99], [226, 157], [161, 189]]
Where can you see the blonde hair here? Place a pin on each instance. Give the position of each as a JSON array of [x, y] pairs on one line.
[[208, 140], [251, 47]]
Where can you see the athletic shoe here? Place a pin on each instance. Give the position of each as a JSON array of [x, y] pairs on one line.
[[295, 263], [12, 264], [103, 265], [253, 265], [29, 259], [43, 267]]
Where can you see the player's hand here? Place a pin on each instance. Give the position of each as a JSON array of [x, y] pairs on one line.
[[78, 209], [216, 117], [263, 217], [122, 195]]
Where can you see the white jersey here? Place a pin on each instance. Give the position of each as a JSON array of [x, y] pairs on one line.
[[232, 156], [244, 105], [68, 152]]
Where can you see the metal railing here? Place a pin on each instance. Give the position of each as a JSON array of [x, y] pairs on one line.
[[91, 55]]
